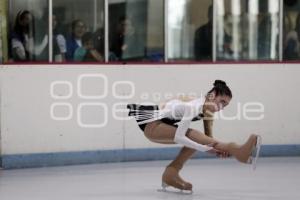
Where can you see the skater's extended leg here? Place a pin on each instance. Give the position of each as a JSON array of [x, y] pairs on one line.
[[240, 152], [160, 132]]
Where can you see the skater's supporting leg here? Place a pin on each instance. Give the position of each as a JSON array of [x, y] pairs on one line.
[[184, 154], [171, 173]]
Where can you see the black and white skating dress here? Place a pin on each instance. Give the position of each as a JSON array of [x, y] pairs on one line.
[[176, 113]]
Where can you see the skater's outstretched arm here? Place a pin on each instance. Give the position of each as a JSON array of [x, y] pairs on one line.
[[208, 123], [180, 134]]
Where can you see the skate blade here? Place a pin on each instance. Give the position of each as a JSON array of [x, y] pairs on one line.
[[257, 152], [180, 192], [175, 190]]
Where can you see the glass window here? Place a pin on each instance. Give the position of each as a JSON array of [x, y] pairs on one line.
[[28, 35], [247, 30], [190, 24], [78, 30], [136, 30], [291, 30]]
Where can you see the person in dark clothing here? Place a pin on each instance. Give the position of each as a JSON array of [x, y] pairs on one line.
[[74, 41], [126, 43], [203, 39], [23, 30]]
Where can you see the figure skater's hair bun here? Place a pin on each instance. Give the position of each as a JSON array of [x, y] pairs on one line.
[[219, 83], [221, 88]]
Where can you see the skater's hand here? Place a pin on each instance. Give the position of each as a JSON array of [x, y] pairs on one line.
[[214, 150], [223, 154], [217, 152]]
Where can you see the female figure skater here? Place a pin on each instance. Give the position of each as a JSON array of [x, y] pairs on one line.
[[158, 125]]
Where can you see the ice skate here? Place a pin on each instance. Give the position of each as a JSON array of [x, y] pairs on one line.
[[171, 178], [249, 152], [255, 152]]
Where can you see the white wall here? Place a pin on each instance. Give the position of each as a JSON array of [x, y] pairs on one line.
[[26, 125]]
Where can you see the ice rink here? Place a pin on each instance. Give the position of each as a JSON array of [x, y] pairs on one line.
[[275, 178]]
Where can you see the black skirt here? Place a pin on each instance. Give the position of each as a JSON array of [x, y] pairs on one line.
[[136, 109]]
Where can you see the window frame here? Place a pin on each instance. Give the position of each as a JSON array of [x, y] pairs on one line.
[[166, 47]]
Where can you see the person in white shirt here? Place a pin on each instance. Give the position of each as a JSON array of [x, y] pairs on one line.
[[169, 124], [59, 42], [291, 42]]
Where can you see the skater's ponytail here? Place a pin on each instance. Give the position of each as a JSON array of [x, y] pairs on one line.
[[221, 89]]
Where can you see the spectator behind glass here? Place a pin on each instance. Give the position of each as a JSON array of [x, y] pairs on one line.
[[99, 40], [264, 37], [203, 39], [287, 28], [22, 43], [227, 45], [59, 42], [292, 42], [87, 52], [74, 40], [126, 43], [41, 18]]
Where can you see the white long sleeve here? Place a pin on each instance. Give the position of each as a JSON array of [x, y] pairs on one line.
[[189, 110], [183, 125]]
